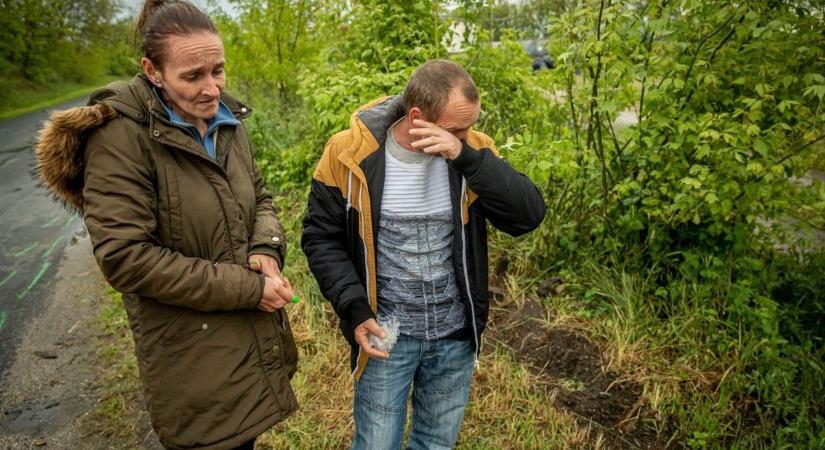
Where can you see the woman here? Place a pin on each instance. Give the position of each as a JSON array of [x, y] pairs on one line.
[[162, 170]]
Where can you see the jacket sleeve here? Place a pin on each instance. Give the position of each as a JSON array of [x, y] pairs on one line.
[[324, 241], [511, 202], [119, 212], [267, 235]]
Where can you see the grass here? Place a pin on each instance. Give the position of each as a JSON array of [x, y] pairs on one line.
[[691, 392], [510, 407], [119, 414], [22, 98]]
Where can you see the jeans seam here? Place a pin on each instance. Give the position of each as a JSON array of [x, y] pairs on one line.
[[381, 407], [448, 391]]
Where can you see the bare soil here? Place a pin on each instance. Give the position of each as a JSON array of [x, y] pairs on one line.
[[575, 372]]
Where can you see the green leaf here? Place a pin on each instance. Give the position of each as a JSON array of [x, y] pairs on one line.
[[817, 90], [760, 147]]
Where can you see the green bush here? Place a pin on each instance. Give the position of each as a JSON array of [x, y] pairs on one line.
[[696, 209]]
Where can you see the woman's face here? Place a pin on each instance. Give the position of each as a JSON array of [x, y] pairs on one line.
[[192, 75]]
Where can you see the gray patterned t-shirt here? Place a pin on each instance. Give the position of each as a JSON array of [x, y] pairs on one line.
[[416, 281]]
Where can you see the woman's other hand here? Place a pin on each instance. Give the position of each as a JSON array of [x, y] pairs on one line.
[[264, 264], [277, 293], [277, 289]]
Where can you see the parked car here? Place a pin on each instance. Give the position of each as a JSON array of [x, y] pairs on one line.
[[541, 58]]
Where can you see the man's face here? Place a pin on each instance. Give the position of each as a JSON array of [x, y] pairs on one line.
[[459, 115]]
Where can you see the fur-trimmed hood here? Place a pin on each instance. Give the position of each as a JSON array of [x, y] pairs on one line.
[[58, 150], [60, 144]]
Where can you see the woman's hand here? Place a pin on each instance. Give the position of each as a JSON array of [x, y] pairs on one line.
[[264, 264], [277, 289], [277, 293]]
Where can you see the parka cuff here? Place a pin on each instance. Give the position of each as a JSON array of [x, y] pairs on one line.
[[259, 293], [268, 251], [358, 312], [469, 161]]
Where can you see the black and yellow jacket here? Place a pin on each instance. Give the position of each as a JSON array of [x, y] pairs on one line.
[[344, 209]]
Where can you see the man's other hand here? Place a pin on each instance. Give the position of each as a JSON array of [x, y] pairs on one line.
[[362, 333], [434, 140]]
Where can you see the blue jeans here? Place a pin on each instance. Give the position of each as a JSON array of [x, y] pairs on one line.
[[439, 372]]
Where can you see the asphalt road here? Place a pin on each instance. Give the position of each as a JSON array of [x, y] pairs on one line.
[[34, 231]]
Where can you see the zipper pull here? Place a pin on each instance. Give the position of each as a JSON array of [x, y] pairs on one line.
[[476, 364]]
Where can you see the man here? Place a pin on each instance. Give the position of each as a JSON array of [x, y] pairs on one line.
[[396, 230]]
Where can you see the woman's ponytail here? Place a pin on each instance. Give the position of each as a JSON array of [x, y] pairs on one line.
[[160, 19]]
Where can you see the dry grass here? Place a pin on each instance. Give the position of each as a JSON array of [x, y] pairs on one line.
[[119, 416], [510, 408]]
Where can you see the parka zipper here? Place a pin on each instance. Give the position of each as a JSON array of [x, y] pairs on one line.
[[464, 197], [366, 258]]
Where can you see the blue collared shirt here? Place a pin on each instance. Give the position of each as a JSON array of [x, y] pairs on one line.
[[223, 117]]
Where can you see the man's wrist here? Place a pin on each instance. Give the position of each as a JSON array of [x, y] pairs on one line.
[[358, 312], [455, 152], [469, 159]]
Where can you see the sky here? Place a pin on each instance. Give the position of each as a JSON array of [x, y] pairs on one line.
[[131, 7]]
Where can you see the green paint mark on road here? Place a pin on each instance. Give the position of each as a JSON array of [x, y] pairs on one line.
[[26, 250], [8, 277], [35, 280], [3, 316], [51, 248], [69, 220], [50, 223]]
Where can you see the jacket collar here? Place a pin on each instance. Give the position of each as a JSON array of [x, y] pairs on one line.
[[369, 125], [136, 100], [223, 117]]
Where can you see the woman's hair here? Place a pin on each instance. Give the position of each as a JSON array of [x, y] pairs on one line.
[[160, 19]]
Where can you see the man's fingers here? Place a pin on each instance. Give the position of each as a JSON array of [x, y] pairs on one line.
[[255, 264], [373, 353], [424, 124], [426, 142], [426, 131], [369, 349], [361, 337], [436, 149], [373, 328]]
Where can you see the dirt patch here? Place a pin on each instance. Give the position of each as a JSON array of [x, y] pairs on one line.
[[575, 371]]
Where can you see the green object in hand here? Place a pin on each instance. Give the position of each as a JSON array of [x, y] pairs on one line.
[[296, 299]]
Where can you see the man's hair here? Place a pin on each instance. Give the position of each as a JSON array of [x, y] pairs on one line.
[[430, 87]]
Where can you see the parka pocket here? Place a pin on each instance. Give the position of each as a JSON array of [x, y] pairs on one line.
[[187, 329], [288, 345], [174, 215], [279, 354]]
